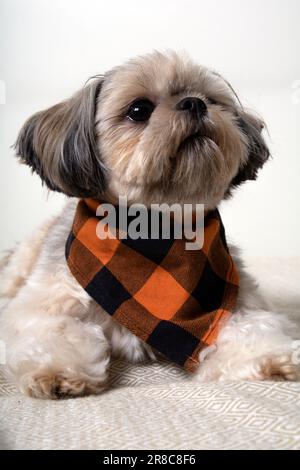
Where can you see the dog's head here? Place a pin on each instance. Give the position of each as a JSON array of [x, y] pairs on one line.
[[157, 129]]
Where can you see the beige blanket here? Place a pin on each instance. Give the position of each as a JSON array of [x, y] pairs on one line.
[[156, 406]]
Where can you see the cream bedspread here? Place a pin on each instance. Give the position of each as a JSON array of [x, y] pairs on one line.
[[156, 406]]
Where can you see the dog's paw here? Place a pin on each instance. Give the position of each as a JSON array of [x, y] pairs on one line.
[[49, 385], [277, 367], [220, 367]]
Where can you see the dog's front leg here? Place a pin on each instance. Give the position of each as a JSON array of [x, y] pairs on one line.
[[255, 344], [55, 345]]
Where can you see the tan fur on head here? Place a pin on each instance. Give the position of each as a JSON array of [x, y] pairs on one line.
[[151, 161], [87, 146]]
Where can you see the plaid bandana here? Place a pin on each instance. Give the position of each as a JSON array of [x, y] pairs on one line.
[[174, 299]]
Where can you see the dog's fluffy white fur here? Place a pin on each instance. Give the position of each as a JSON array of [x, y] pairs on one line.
[[59, 342]]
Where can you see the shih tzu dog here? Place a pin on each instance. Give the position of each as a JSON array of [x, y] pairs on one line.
[[158, 129]]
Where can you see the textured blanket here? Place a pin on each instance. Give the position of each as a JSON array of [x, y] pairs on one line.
[[157, 406]]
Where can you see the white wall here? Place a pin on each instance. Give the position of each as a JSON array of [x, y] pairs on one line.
[[49, 47]]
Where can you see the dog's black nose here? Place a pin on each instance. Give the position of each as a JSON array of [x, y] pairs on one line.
[[192, 104]]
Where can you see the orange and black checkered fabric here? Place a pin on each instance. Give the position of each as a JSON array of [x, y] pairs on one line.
[[174, 299]]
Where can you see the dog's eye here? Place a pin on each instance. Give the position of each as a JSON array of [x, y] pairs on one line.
[[140, 110]]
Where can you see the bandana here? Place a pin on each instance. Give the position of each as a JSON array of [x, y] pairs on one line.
[[176, 300]]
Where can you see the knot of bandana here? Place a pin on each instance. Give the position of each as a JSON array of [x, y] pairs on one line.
[[174, 299]]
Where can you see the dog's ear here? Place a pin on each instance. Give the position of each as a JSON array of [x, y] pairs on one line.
[[258, 152], [60, 145]]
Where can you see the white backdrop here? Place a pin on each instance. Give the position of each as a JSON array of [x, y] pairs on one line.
[[48, 48]]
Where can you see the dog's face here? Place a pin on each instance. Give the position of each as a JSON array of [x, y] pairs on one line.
[[157, 129]]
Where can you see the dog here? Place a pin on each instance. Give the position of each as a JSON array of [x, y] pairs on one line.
[[158, 129]]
